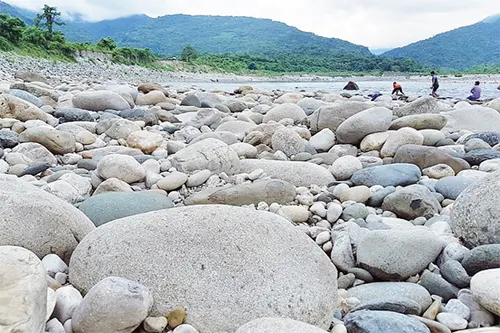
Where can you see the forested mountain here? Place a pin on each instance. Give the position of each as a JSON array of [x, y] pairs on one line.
[[460, 49], [169, 34], [25, 15]]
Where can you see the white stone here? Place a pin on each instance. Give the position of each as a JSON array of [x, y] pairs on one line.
[[333, 213], [323, 140], [452, 321], [68, 299], [123, 167], [485, 287], [185, 328], [318, 209], [323, 238], [457, 307], [23, 291], [172, 181], [344, 167], [198, 178], [53, 264], [55, 326], [51, 302]]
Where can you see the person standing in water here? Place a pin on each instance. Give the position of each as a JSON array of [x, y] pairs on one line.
[[397, 89], [435, 84], [475, 91]]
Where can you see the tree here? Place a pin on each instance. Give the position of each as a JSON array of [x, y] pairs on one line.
[[11, 27], [107, 44], [252, 66], [189, 53], [49, 15]]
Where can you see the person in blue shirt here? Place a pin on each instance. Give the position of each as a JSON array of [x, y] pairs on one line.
[[435, 84], [475, 92]]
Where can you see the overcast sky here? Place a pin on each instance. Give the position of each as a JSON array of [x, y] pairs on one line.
[[373, 23]]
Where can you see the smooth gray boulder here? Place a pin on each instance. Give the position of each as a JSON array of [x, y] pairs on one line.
[[356, 127], [475, 217], [420, 122], [296, 173], [285, 110], [100, 101], [268, 191], [382, 322], [332, 115], [473, 118], [400, 174], [113, 305], [422, 105], [397, 255], [278, 325], [411, 202], [482, 258], [210, 154], [38, 221], [200, 257], [111, 206], [451, 187]]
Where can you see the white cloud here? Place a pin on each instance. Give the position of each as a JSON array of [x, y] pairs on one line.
[[373, 23]]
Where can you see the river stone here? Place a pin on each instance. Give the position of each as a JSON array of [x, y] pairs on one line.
[[146, 141], [400, 174], [122, 167], [98, 153], [139, 115], [55, 141], [278, 325], [210, 154], [121, 129], [382, 322], [422, 105], [485, 287], [268, 191], [110, 206], [491, 138], [288, 141], [478, 156], [309, 105], [332, 115], [16, 108], [412, 202], [113, 305], [395, 304], [420, 121], [482, 258], [73, 114], [99, 101], [39, 221], [425, 157], [28, 76], [296, 173], [356, 127], [23, 291], [436, 285], [200, 262], [473, 118], [451, 187], [152, 98], [475, 215], [455, 273], [285, 110], [35, 152], [397, 255], [401, 137], [8, 138], [28, 97], [372, 292]]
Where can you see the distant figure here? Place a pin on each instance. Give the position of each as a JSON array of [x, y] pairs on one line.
[[435, 84], [397, 89], [475, 91], [375, 95]]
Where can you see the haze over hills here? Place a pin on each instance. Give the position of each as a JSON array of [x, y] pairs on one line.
[[459, 49]]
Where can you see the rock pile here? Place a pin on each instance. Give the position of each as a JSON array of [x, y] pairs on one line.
[[140, 208]]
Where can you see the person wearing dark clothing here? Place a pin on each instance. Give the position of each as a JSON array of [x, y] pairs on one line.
[[397, 89], [435, 84]]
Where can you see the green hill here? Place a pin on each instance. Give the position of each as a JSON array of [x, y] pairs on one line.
[[459, 49], [25, 15], [169, 34]]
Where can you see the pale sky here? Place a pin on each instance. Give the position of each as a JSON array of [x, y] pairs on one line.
[[372, 23]]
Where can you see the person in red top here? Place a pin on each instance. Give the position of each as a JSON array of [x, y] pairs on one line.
[[397, 89]]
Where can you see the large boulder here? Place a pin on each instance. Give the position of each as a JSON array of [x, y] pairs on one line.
[[400, 174], [490, 137], [420, 121], [202, 257], [210, 154], [411, 202], [112, 206], [39, 221], [57, 142], [485, 287], [100, 101], [309, 105], [397, 255], [278, 325], [14, 107], [288, 141], [122, 167], [36, 153], [356, 127], [286, 110], [332, 115], [268, 191], [23, 291], [28, 76], [475, 217], [401, 137], [426, 157], [473, 118], [146, 141], [422, 105], [297, 173]]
